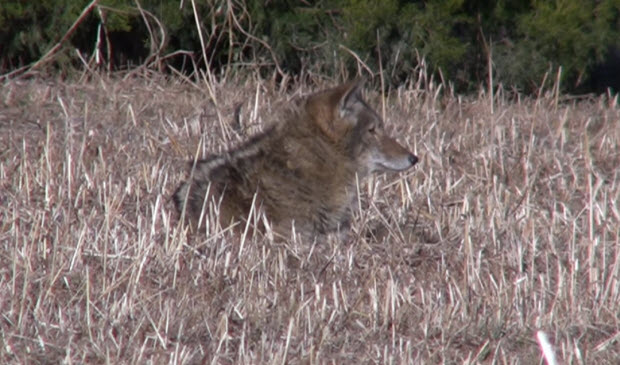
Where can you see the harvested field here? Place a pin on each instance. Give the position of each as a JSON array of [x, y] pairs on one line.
[[508, 225]]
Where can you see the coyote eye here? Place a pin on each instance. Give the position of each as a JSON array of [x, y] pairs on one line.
[[371, 129]]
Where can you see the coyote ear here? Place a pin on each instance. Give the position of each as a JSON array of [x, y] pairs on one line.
[[352, 95], [326, 107]]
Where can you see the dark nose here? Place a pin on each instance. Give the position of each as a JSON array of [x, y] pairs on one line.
[[413, 159]]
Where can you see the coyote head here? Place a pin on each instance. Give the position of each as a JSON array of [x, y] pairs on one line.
[[348, 122]]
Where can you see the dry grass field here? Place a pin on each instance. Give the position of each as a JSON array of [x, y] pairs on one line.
[[509, 225]]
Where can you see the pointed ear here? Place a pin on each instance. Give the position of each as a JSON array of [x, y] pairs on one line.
[[351, 96], [329, 108]]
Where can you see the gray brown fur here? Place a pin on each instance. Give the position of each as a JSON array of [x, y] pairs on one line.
[[302, 170]]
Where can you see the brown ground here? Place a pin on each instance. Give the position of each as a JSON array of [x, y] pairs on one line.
[[510, 224]]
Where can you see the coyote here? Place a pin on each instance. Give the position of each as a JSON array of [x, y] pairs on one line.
[[299, 172]]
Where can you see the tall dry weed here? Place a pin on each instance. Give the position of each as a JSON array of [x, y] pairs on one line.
[[508, 225]]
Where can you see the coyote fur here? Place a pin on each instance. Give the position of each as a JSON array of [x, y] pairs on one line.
[[301, 171]]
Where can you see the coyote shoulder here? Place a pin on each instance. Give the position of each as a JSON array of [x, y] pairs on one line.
[[301, 171]]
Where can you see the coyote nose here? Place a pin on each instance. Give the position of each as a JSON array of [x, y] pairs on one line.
[[413, 159]]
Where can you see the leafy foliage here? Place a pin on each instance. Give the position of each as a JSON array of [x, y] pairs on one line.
[[568, 33], [525, 40]]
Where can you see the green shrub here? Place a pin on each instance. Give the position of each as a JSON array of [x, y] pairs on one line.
[[526, 39], [573, 34]]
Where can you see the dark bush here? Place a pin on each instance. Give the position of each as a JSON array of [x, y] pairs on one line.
[[524, 40]]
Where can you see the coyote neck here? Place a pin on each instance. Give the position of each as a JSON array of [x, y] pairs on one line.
[[297, 176]]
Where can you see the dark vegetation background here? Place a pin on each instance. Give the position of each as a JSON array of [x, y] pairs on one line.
[[526, 42]]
